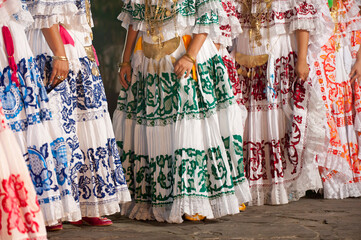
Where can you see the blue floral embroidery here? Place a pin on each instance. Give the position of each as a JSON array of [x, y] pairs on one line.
[[26, 106], [94, 172], [38, 169], [58, 149]]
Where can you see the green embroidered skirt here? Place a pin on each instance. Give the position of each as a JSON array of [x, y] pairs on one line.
[[180, 140]]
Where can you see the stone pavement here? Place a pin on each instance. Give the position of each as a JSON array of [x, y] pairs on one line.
[[308, 218]]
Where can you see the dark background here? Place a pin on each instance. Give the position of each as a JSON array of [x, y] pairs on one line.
[[108, 41]]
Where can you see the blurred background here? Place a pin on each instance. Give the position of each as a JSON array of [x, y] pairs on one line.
[[109, 39]]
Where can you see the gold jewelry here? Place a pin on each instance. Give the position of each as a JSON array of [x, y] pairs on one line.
[[191, 58], [124, 64], [256, 15], [120, 65], [59, 77], [158, 51], [154, 17], [60, 58]]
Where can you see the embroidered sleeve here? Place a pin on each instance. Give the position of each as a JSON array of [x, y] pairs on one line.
[[313, 16], [306, 15], [129, 11], [230, 28], [209, 16]]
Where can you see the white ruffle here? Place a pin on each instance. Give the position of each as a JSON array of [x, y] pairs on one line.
[[319, 25], [213, 29], [226, 37], [181, 21], [23, 16], [353, 16], [7, 9], [172, 213], [280, 5], [337, 187], [48, 13], [323, 31]]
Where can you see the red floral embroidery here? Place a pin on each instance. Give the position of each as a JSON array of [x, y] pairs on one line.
[[14, 203], [232, 73]]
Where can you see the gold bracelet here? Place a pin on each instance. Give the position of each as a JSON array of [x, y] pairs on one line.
[[120, 65], [191, 58], [61, 58]]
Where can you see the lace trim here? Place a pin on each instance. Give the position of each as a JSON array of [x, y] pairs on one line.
[[91, 115], [48, 13], [336, 187], [105, 207], [172, 213]]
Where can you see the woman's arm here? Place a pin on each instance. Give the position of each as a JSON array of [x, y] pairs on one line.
[[356, 69], [125, 69], [302, 69], [185, 63], [60, 65]]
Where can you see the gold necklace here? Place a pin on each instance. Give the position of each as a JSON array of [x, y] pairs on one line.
[[154, 17], [256, 16]]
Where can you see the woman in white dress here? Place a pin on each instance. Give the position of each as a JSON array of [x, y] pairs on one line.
[[20, 216], [284, 129], [27, 111], [61, 38], [177, 121]]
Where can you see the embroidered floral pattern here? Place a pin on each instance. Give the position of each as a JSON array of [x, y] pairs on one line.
[[15, 206], [173, 108], [27, 111], [341, 102], [95, 173]]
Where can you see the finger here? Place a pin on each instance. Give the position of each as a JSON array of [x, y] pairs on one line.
[[124, 83], [129, 75], [181, 73], [354, 77], [121, 76], [176, 69], [52, 78], [188, 72], [353, 71], [57, 80]]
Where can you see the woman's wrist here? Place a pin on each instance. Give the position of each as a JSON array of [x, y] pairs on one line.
[[190, 58], [60, 58], [302, 59]]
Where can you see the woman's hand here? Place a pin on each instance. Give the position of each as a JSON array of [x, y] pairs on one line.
[[302, 69], [60, 62], [125, 75], [356, 71], [59, 73], [183, 66]]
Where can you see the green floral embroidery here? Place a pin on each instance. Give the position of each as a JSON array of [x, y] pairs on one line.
[[189, 172], [208, 18], [188, 8], [161, 100], [234, 144]]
